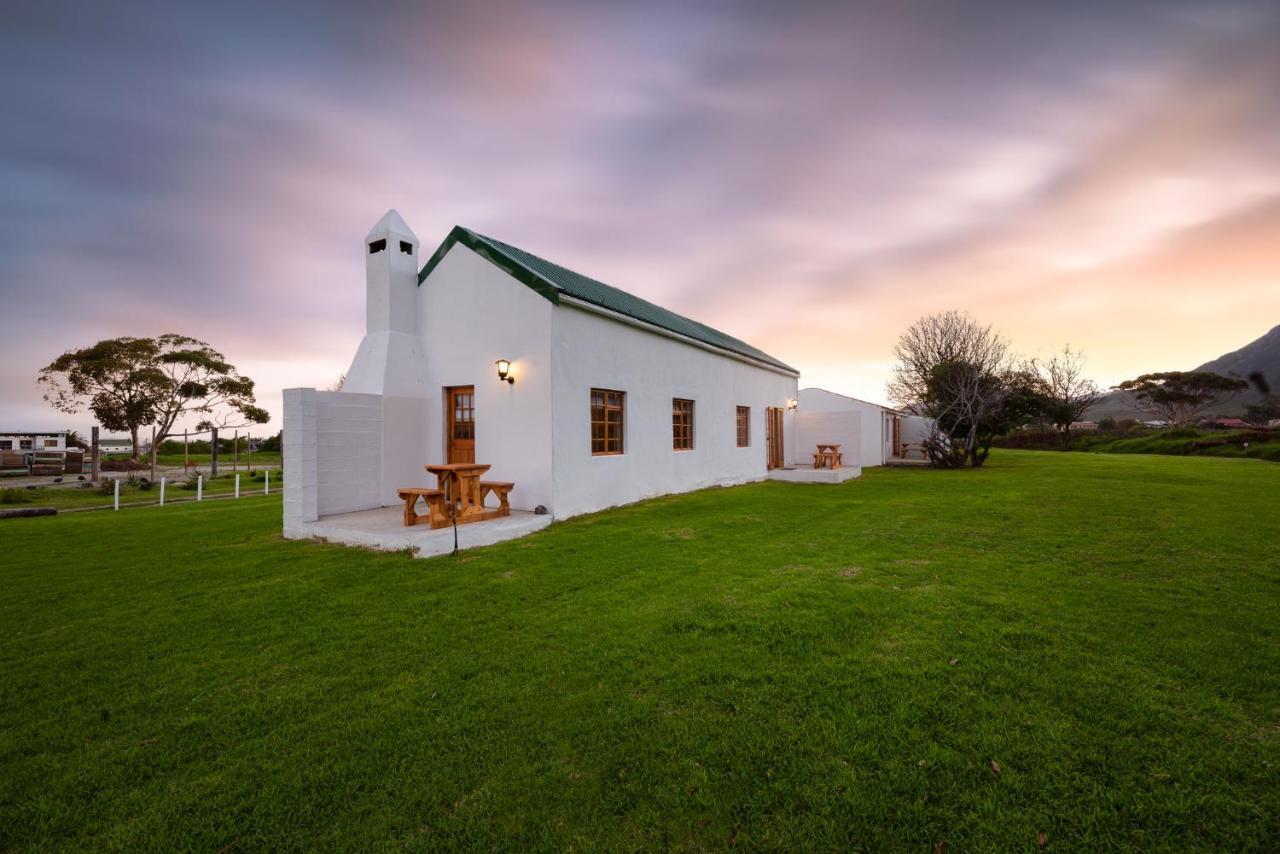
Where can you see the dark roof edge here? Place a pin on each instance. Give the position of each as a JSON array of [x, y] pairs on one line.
[[478, 244], [656, 329], [508, 265]]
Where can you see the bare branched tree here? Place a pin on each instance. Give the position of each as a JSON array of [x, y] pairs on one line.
[[953, 369], [1068, 393]]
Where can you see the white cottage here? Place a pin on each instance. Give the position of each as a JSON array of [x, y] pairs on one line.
[[581, 394]]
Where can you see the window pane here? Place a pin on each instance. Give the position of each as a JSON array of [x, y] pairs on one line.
[[606, 421]]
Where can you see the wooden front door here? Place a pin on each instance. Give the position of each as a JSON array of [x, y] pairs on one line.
[[773, 436], [461, 424]]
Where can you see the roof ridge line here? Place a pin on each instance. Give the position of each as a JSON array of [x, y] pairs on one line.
[[551, 283]]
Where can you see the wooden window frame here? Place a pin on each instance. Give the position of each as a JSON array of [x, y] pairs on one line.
[[682, 412], [743, 418], [611, 401]]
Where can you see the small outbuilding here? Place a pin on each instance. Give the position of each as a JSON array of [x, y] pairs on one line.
[[884, 435]]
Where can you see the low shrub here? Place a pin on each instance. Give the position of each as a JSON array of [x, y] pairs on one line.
[[16, 496]]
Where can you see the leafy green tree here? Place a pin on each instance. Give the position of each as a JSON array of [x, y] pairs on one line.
[[129, 383], [117, 379], [1180, 397], [1262, 413], [201, 381]]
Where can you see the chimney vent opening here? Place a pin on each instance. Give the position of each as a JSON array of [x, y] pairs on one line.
[[377, 246], [406, 247]]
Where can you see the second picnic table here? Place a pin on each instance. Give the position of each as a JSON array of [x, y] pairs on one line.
[[828, 456]]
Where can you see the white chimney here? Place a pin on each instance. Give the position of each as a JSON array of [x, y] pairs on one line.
[[390, 360]]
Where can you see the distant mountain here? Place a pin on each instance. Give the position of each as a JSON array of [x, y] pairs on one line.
[[1262, 356]]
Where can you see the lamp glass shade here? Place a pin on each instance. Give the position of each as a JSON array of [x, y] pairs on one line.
[[504, 368]]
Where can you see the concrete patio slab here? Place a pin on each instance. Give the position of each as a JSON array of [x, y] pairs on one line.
[[383, 528], [808, 474]]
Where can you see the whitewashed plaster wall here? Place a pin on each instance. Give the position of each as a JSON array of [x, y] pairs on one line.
[[839, 428], [591, 351], [299, 458], [351, 450], [915, 429], [873, 443], [471, 314], [332, 453]]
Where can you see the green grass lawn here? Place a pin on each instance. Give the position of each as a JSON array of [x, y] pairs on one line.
[[1212, 443], [1252, 444], [225, 458], [75, 498], [773, 666]]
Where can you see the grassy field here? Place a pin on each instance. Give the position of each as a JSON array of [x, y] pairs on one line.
[[1081, 646], [225, 458], [1202, 443], [1180, 442], [75, 498]]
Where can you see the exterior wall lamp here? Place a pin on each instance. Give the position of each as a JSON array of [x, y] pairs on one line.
[[504, 371], [792, 403]]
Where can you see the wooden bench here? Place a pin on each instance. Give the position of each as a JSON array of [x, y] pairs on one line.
[[500, 488], [436, 516], [908, 448]]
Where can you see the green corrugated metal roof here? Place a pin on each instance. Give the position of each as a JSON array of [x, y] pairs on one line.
[[552, 280]]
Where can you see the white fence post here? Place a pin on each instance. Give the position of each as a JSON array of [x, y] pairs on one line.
[[117, 492], [161, 492], [199, 487], [237, 485], [266, 482]]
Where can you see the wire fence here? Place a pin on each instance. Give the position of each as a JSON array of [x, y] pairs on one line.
[[124, 490], [37, 478]]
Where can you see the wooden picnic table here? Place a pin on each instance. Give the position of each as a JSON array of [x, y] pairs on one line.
[[458, 497], [828, 457], [460, 483]]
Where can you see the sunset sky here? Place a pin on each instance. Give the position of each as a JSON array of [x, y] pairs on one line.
[[808, 177]]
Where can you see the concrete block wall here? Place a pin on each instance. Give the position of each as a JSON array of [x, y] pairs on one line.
[[915, 429], [838, 428], [299, 457], [332, 454], [348, 452]]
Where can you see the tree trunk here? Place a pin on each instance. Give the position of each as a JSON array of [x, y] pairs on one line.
[[133, 434]]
